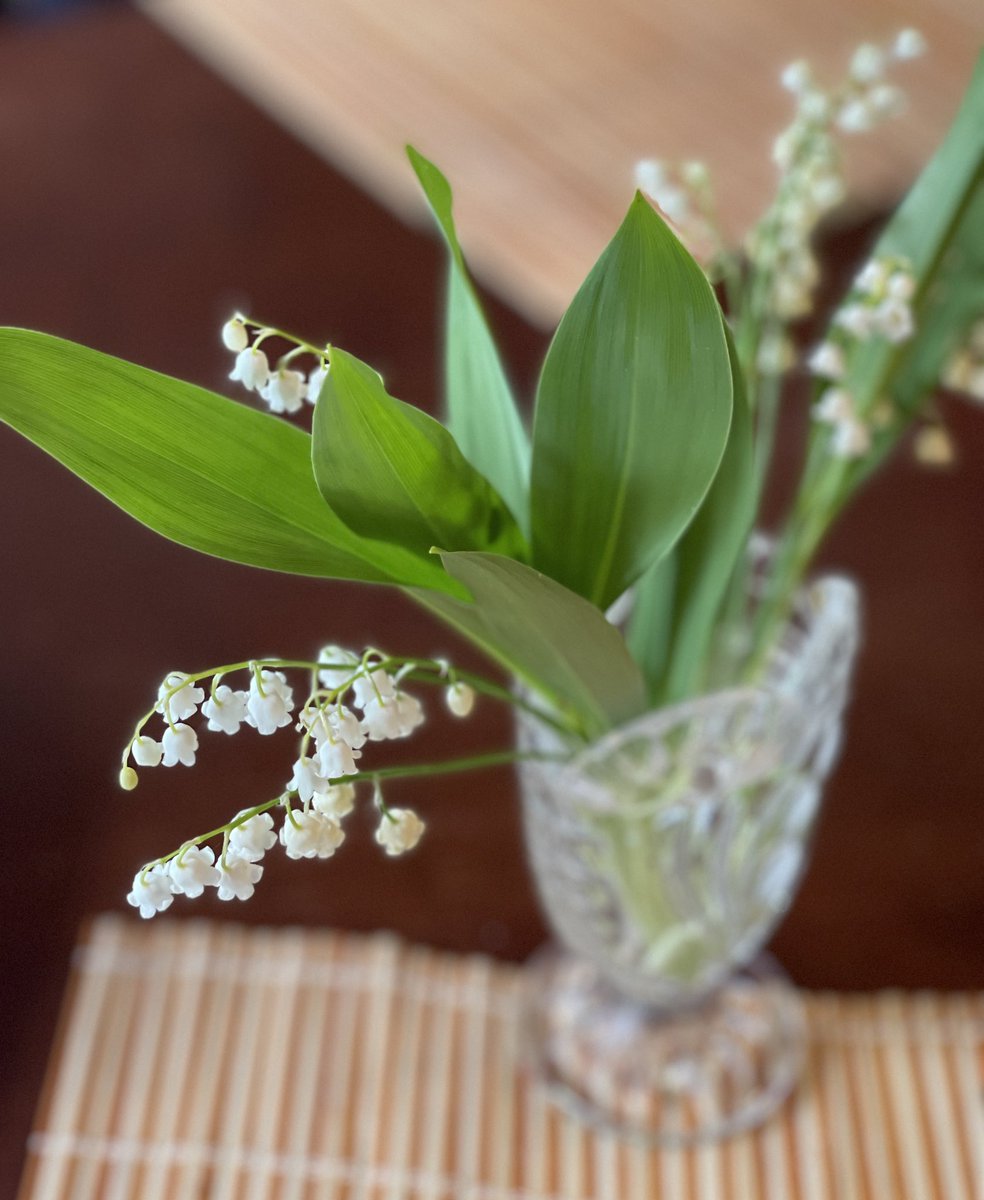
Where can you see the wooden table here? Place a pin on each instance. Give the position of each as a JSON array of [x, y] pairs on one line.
[[142, 201]]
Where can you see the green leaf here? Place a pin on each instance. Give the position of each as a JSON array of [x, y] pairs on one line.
[[547, 636], [392, 472], [710, 550], [196, 467], [632, 412], [482, 414]]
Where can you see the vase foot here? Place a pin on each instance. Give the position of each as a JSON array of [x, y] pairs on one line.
[[669, 1078]]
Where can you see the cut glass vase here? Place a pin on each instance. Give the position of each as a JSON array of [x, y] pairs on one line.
[[665, 854]]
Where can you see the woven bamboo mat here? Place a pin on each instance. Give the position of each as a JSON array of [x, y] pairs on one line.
[[206, 1060], [538, 109]]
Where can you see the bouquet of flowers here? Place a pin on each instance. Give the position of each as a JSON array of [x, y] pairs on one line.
[[601, 558]]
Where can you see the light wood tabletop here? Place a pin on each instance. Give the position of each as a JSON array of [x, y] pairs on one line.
[[537, 110]]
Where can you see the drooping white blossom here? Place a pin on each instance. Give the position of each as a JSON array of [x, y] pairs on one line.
[[238, 876], [269, 702], [315, 721], [252, 369], [192, 870], [146, 752], [346, 727], [337, 801], [343, 666], [835, 404], [254, 837], [151, 891], [284, 391], [307, 779], [180, 744], [184, 700], [909, 43], [827, 360], [395, 717], [315, 382], [868, 64], [399, 830], [796, 77], [850, 439], [410, 713], [311, 834], [235, 336], [225, 710], [894, 321], [374, 686], [337, 759], [460, 699]]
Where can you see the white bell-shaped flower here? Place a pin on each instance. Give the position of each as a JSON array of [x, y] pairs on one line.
[[835, 404], [307, 779], [375, 686], [310, 834], [400, 829], [225, 710], [252, 369], [381, 720], [343, 664], [316, 722], [828, 360], [184, 699], [315, 383], [237, 876], [338, 801], [269, 703], [146, 752], [336, 759], [893, 320], [284, 391], [850, 439], [347, 727], [254, 837], [409, 713], [180, 745], [909, 43], [151, 891], [192, 871]]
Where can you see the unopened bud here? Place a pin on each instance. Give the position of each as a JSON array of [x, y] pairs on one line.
[[128, 779]]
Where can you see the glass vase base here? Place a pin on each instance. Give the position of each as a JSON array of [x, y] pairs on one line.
[[668, 1078]]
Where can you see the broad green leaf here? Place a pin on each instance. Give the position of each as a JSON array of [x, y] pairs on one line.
[[392, 472], [196, 467], [632, 412], [708, 553], [547, 636], [482, 414]]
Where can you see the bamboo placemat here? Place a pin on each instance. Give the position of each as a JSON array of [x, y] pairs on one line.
[[208, 1060], [538, 109]]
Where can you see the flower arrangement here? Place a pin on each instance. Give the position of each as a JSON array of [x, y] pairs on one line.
[[651, 439]]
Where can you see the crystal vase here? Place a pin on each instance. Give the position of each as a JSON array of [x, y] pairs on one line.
[[664, 855]]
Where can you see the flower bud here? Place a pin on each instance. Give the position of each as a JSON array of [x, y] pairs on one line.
[[234, 335], [128, 779], [460, 699]]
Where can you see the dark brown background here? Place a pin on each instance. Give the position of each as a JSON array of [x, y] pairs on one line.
[[141, 201]]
